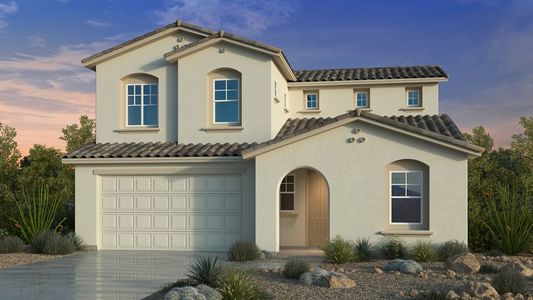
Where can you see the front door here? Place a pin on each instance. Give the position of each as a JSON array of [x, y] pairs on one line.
[[317, 210]]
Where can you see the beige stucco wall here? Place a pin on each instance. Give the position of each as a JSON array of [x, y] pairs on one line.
[[293, 225], [355, 174], [110, 102], [87, 189], [385, 99], [194, 100]]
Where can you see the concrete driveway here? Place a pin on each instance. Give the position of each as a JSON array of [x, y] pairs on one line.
[[96, 275]]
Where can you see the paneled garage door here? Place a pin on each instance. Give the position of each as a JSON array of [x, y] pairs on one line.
[[186, 213]]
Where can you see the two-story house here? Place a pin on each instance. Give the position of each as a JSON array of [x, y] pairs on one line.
[[204, 138]]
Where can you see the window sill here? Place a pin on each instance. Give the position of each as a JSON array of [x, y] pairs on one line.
[[413, 108], [406, 232], [310, 111], [222, 128], [288, 214], [137, 129], [364, 109]]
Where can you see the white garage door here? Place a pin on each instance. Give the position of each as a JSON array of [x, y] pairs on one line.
[[189, 213]]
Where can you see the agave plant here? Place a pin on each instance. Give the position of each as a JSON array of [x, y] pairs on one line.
[[37, 211], [207, 270]]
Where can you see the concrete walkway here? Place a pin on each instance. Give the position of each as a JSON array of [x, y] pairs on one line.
[[96, 275]]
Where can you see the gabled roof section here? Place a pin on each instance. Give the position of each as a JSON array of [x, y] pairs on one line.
[[91, 61], [375, 73], [436, 128], [221, 36]]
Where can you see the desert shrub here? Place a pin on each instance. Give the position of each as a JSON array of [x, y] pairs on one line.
[[39, 241], [423, 251], [509, 282], [339, 251], [207, 270], [77, 240], [237, 285], [394, 248], [11, 244], [36, 211], [433, 295], [509, 220], [364, 249], [451, 248], [58, 245], [294, 268], [244, 251], [488, 268]]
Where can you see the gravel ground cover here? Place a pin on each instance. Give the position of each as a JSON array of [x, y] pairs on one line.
[[16, 259]]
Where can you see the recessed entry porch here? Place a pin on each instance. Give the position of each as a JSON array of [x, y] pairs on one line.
[[303, 209]]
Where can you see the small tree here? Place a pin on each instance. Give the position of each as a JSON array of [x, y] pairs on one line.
[[78, 135]]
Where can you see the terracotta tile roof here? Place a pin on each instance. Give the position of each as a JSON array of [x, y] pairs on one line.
[[371, 73], [148, 150]]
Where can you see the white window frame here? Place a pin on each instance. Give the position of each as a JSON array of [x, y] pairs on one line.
[[142, 105], [367, 99], [306, 102], [419, 91], [286, 192], [407, 197], [238, 102]]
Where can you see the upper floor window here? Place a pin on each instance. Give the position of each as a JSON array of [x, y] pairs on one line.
[[406, 197], [361, 99], [226, 104], [286, 193], [142, 103], [414, 97], [311, 100]]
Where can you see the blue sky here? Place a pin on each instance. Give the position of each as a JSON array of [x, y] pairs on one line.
[[485, 46]]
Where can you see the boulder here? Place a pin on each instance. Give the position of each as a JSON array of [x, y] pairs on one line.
[[518, 268], [403, 266], [339, 281], [480, 290], [463, 263]]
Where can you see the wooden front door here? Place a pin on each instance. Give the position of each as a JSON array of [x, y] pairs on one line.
[[318, 213]]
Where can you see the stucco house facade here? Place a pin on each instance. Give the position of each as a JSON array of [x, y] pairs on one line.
[[204, 138]]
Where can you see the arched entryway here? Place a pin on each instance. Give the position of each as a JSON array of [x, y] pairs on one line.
[[304, 209]]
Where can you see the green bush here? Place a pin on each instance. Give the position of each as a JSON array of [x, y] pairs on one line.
[[423, 251], [509, 282], [451, 248], [394, 248], [58, 245], [11, 244], [36, 211], [238, 285], [77, 240], [364, 249], [294, 268], [339, 251], [207, 270], [509, 220], [244, 251], [39, 241]]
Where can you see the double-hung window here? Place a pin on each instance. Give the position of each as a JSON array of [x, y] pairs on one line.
[[286, 193], [311, 101], [226, 104], [142, 105], [406, 197], [414, 98], [361, 99]]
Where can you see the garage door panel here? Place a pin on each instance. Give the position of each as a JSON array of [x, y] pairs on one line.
[[188, 213]]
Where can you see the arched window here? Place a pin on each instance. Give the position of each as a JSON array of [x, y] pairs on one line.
[[141, 100], [225, 94], [408, 194]]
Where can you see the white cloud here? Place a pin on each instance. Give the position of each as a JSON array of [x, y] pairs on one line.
[[96, 23], [246, 17], [6, 9]]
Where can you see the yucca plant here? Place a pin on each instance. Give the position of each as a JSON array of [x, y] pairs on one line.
[[364, 248], [37, 211], [207, 270], [509, 220], [423, 251], [238, 285]]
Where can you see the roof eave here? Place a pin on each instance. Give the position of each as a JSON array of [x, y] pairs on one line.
[[297, 84], [151, 160]]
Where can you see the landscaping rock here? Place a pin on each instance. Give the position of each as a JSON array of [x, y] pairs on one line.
[[378, 270], [306, 278], [209, 292], [519, 268], [480, 290], [403, 266], [338, 280], [450, 273], [202, 292], [452, 295], [463, 263]]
